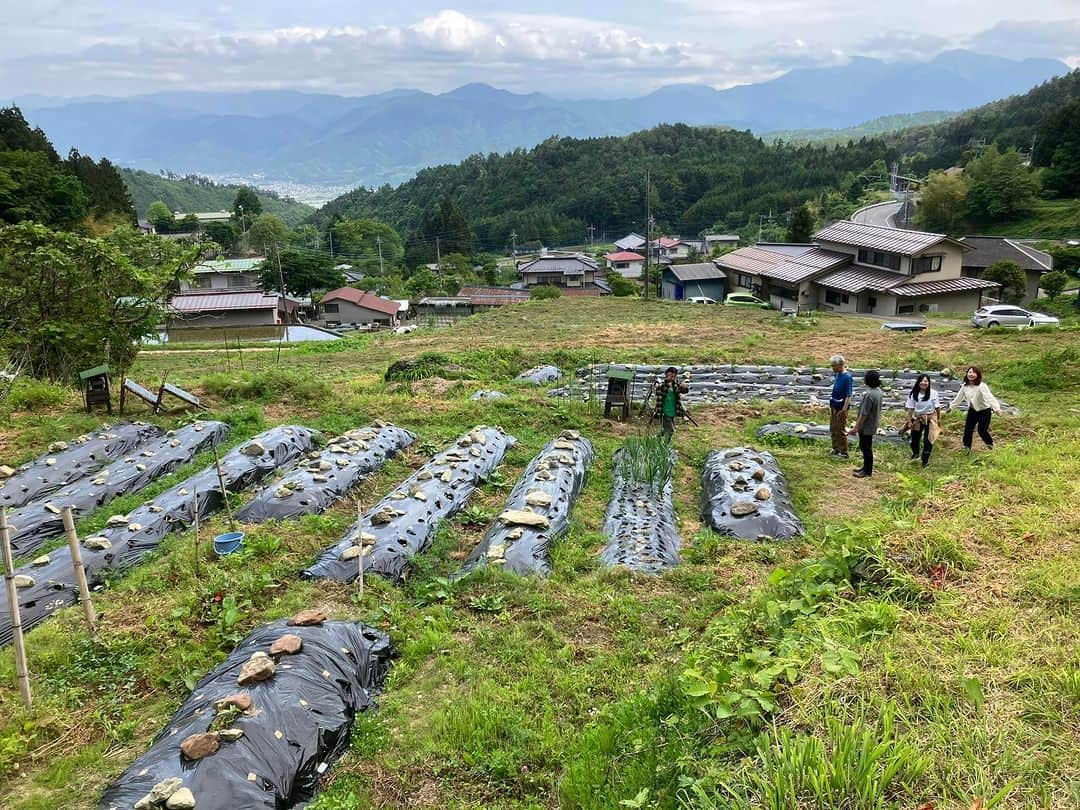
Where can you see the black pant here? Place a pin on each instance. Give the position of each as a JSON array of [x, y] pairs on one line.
[[667, 426], [866, 445], [921, 431], [980, 420]]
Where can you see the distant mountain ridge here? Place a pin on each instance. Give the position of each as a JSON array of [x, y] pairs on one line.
[[311, 138]]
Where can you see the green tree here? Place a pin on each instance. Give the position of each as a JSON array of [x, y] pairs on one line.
[[303, 271], [1058, 148], [423, 282], [16, 135], [106, 195], [267, 234], [801, 227], [161, 217], [1001, 187], [1011, 277], [444, 230], [621, 287], [942, 203], [69, 302], [1054, 283], [34, 188], [361, 240], [224, 234], [246, 206], [544, 292]]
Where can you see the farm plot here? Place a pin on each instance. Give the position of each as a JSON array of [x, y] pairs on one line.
[[537, 510], [68, 462], [48, 584], [261, 729], [403, 523], [328, 475], [735, 383], [640, 518], [746, 495], [38, 522], [810, 431]]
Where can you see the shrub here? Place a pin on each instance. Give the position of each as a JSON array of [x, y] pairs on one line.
[[275, 384], [545, 292], [28, 394], [1054, 283]]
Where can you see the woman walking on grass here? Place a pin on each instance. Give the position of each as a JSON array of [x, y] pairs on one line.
[[924, 414], [980, 403]]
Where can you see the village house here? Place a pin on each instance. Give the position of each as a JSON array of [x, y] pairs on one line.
[[851, 267], [225, 274], [348, 305], [626, 263], [632, 241], [232, 309], [681, 281], [988, 250], [572, 271], [721, 241]]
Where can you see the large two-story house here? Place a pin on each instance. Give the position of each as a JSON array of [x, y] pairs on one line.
[[851, 267], [572, 271]]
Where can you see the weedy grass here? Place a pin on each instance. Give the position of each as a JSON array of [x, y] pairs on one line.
[[918, 645]]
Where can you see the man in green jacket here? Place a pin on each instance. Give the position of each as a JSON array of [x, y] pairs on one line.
[[669, 401]]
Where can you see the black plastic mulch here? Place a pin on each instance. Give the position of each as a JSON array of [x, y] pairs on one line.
[[640, 524], [746, 495]]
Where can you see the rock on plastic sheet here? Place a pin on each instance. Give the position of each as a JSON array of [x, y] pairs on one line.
[[124, 543], [746, 495], [325, 477], [40, 521], [540, 375], [71, 461], [403, 523], [640, 525], [820, 432], [296, 724], [546, 490]]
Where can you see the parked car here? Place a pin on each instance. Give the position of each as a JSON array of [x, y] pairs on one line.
[[701, 299], [1009, 315], [745, 300]]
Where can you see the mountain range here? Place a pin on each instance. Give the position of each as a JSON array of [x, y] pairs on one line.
[[287, 139]]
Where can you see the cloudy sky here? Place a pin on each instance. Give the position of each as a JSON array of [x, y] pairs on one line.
[[562, 47]]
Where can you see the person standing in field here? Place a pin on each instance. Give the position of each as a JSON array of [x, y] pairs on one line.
[[867, 423], [839, 402], [980, 404], [669, 401], [924, 414]]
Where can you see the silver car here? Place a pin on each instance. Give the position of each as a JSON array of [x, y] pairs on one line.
[[1009, 315]]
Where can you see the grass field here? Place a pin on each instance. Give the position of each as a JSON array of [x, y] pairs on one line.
[[919, 646], [1049, 219]]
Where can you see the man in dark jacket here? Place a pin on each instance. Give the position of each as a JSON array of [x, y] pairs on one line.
[[669, 401]]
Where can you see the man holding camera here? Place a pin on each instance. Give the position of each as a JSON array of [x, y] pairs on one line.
[[669, 401]]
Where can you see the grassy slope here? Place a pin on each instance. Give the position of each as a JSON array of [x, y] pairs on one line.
[[182, 195], [530, 694], [1049, 219]]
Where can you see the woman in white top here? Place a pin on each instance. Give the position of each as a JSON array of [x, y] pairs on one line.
[[980, 403], [924, 411]]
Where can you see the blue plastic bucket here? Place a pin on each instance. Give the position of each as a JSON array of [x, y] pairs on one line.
[[228, 543]]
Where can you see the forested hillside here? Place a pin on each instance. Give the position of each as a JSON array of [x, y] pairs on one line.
[[193, 193], [701, 178], [37, 184]]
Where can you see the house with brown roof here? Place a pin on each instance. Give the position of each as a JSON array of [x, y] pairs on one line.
[[353, 306], [229, 310], [851, 267], [626, 263], [988, 250]]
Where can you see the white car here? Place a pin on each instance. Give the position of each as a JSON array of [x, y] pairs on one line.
[[1009, 315], [701, 299]]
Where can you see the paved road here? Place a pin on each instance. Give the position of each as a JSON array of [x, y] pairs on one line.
[[878, 215]]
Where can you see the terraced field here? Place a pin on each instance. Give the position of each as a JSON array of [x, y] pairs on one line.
[[918, 644]]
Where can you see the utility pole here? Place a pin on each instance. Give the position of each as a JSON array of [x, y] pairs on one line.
[[513, 243], [378, 241], [438, 254], [330, 236], [591, 229], [648, 237]]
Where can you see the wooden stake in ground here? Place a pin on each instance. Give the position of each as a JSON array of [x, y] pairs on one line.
[[224, 491], [195, 500], [22, 674], [360, 559], [80, 572]]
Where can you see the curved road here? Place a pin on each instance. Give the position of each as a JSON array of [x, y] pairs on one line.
[[882, 215]]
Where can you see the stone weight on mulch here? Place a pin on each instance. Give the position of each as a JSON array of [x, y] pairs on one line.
[[403, 523], [71, 461], [487, 395], [326, 476], [537, 510], [746, 495], [38, 522], [266, 744], [128, 538], [809, 431], [640, 525]]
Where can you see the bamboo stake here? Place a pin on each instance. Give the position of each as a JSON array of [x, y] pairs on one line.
[[195, 500], [21, 672], [80, 572], [360, 528], [224, 492]]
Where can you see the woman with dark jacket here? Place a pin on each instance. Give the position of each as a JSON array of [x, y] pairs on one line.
[[924, 414]]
